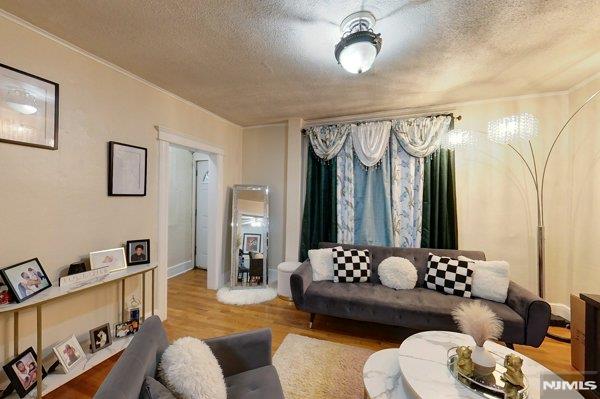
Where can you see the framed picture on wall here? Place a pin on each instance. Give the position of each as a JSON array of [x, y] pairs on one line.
[[138, 252], [127, 170], [252, 242], [28, 109], [26, 279]]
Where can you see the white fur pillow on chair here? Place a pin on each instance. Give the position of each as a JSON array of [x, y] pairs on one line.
[[190, 370], [490, 279], [321, 261], [397, 273]]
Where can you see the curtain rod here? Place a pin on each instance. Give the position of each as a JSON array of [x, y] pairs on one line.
[[359, 121]]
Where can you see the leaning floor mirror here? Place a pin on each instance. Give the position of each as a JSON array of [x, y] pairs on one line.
[[249, 236]]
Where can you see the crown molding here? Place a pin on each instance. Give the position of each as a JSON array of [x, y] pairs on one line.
[[28, 25]]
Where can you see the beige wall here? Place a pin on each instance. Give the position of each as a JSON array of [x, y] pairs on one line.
[[264, 154], [54, 203], [180, 210]]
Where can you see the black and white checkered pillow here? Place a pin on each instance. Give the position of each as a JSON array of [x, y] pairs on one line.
[[449, 275], [351, 265]]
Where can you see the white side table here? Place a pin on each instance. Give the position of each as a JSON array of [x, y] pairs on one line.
[[382, 378], [284, 272]]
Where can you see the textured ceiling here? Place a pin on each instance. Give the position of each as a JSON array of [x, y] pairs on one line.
[[255, 62]]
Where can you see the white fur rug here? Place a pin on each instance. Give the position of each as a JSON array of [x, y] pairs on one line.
[[245, 296], [318, 369]]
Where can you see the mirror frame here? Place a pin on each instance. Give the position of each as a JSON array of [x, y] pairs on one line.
[[235, 226]]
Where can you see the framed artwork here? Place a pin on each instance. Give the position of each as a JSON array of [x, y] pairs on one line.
[[5, 295], [69, 353], [138, 252], [114, 259], [251, 242], [28, 109], [25, 279], [22, 372], [100, 337], [127, 328], [127, 169]]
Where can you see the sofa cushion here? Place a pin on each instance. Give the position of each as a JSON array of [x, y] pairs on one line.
[[449, 275], [351, 265], [419, 308], [417, 256], [260, 383]]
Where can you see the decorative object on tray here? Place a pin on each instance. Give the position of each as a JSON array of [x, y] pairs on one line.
[[25, 279], [513, 374], [481, 323], [100, 337], [22, 372], [492, 385], [69, 353], [127, 169], [82, 279], [5, 296], [113, 259], [138, 252], [464, 363], [28, 109], [75, 268], [127, 328]]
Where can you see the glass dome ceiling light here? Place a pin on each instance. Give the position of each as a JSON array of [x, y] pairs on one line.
[[359, 45]]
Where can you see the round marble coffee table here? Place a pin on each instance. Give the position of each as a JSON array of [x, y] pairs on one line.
[[418, 369]]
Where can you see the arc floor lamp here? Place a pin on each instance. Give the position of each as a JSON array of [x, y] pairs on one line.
[[507, 130]]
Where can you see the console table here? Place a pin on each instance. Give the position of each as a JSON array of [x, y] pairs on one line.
[[55, 292]]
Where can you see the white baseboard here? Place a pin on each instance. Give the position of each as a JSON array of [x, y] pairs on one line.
[[180, 268], [561, 310]]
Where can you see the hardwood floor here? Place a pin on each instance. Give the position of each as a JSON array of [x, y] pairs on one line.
[[194, 311]]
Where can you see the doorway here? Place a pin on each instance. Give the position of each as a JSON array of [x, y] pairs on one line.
[[202, 177]]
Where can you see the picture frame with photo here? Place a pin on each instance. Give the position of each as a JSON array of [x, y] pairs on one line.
[[22, 372], [69, 353], [5, 295], [124, 329], [114, 259], [251, 242], [138, 252], [25, 279], [100, 337], [28, 109], [127, 170]]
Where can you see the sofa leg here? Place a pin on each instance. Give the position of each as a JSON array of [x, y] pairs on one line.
[[312, 318], [510, 346]]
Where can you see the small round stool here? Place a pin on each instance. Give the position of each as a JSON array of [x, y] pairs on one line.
[[284, 272]]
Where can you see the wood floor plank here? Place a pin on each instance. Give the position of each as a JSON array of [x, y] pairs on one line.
[[195, 311]]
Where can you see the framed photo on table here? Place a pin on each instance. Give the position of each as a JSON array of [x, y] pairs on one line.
[[113, 259], [25, 279], [22, 372], [138, 252], [69, 353], [127, 170], [100, 337], [28, 109]]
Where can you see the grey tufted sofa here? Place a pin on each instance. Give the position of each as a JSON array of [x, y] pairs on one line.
[[525, 315], [244, 358]]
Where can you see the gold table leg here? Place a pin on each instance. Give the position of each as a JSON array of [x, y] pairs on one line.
[[152, 299], [16, 333], [40, 366], [143, 297]]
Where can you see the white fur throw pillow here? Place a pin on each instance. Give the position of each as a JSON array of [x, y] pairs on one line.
[[321, 261], [190, 370], [490, 279], [397, 273]]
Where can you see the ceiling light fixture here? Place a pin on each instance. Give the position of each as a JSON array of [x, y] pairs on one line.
[[359, 45], [21, 101]]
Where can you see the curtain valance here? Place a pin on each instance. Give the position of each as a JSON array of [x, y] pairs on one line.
[[419, 137]]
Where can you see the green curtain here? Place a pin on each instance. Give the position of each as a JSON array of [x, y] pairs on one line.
[[319, 221], [440, 228]]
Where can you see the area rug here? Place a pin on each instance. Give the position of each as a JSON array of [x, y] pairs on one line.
[[245, 296], [317, 369]]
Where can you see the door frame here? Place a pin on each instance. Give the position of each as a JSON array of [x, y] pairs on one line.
[[195, 205], [216, 222]]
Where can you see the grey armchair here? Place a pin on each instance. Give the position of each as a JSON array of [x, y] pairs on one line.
[[245, 359]]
